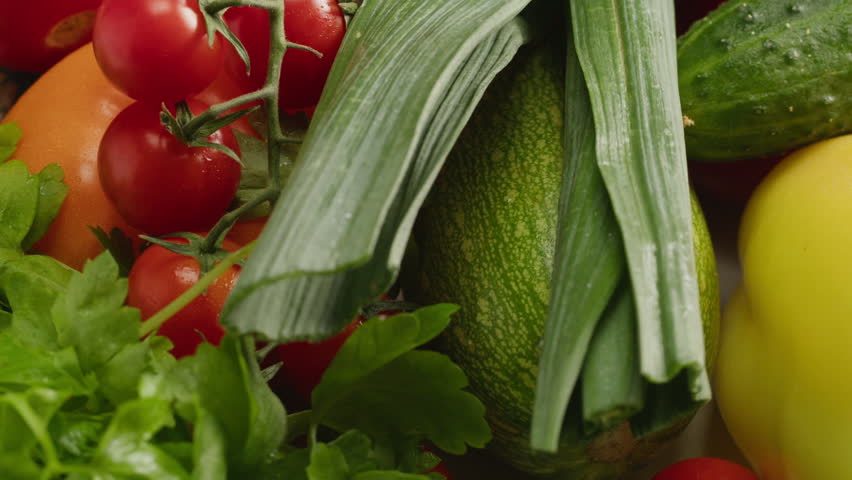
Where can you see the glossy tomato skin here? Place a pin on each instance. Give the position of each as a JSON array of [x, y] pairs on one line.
[[303, 363], [706, 468], [159, 276], [318, 24], [36, 35], [159, 184], [156, 50]]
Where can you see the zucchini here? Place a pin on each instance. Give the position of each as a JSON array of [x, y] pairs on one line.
[[763, 77], [485, 240]]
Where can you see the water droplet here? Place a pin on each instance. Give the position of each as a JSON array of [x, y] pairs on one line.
[[770, 44], [828, 99], [726, 43], [792, 56], [796, 8], [750, 18], [759, 110], [702, 76]]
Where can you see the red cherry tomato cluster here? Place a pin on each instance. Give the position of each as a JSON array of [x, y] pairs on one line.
[[158, 52]]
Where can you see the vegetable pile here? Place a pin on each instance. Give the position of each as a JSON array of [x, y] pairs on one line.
[[230, 230]]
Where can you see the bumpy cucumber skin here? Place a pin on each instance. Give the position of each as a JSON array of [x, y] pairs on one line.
[[762, 77], [485, 240]]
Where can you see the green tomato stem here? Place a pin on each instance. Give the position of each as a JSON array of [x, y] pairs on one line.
[[156, 321], [211, 241]]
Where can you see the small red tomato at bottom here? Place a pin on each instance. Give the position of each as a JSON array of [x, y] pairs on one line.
[[706, 468], [439, 468], [159, 276], [304, 363]]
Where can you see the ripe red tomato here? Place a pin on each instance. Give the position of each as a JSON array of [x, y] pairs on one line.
[[159, 184], [159, 276], [36, 35], [439, 468], [318, 24], [688, 12], [706, 468], [304, 363], [156, 50]]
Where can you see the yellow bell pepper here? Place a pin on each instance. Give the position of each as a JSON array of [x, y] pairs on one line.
[[784, 372]]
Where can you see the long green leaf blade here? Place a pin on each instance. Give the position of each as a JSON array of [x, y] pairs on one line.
[[588, 263], [336, 238], [627, 49]]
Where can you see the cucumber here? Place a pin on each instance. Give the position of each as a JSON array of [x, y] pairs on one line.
[[762, 77], [485, 240]]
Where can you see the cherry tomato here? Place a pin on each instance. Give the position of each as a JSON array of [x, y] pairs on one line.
[[245, 231], [36, 35], [706, 468], [156, 50], [158, 183], [304, 363], [318, 24], [688, 12], [159, 276], [439, 468]]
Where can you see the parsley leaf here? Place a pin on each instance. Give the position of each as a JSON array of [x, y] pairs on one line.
[[10, 134], [91, 315], [51, 194], [226, 382], [18, 203], [127, 449], [28, 204], [378, 384]]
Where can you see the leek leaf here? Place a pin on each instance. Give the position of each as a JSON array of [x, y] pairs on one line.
[[588, 263], [403, 85], [631, 72]]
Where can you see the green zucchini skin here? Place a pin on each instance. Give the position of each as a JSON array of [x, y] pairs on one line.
[[485, 239], [762, 77]]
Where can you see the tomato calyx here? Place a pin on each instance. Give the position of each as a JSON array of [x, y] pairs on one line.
[[207, 250], [187, 127]]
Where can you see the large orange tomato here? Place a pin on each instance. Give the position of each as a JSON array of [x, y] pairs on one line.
[[63, 116]]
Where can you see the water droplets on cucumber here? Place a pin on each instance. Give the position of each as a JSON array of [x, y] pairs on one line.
[[792, 55]]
